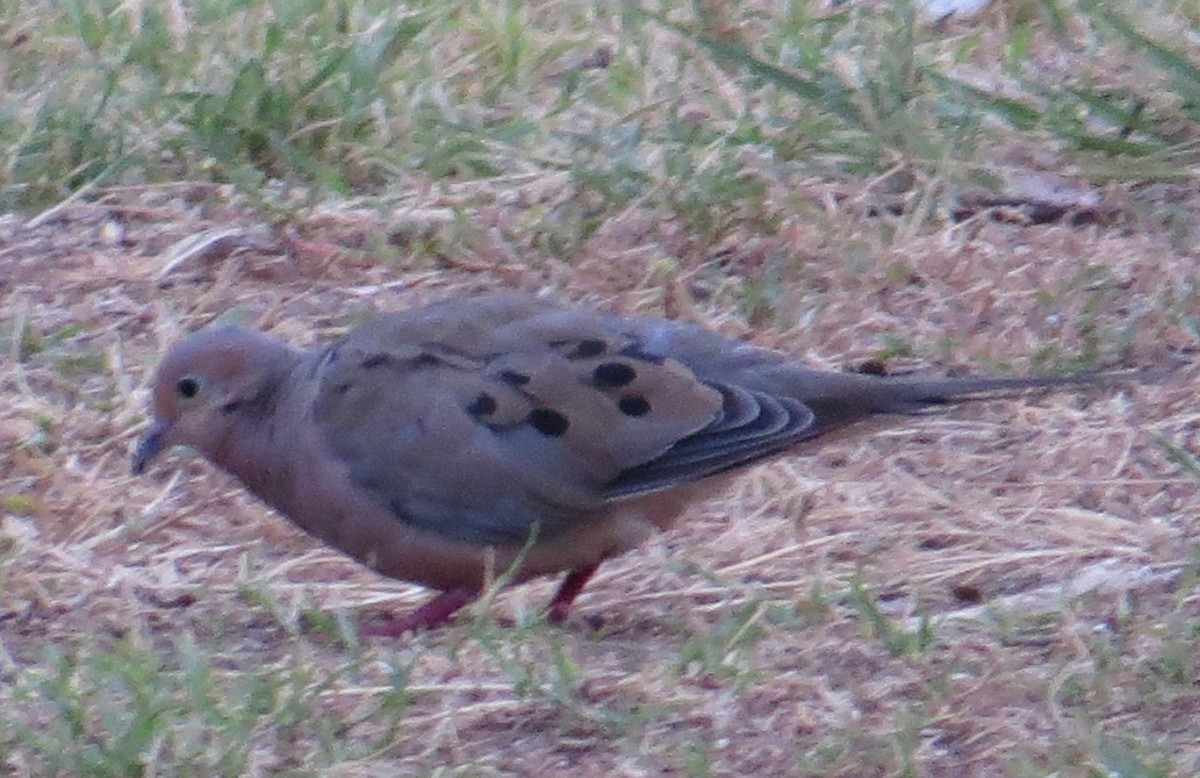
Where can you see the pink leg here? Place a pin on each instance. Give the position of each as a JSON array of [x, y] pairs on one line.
[[431, 615], [572, 585]]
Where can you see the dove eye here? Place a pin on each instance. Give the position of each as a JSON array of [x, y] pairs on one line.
[[187, 387]]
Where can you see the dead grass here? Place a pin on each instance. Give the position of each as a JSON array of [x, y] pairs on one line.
[[1049, 542]]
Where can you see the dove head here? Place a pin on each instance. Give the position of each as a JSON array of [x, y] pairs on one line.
[[207, 384]]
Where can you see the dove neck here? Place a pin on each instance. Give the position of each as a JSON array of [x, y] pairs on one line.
[[261, 443]]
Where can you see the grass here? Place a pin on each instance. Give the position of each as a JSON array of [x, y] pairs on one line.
[[1007, 589], [130, 708]]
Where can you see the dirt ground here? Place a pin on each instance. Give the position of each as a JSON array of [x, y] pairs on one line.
[[1024, 528]]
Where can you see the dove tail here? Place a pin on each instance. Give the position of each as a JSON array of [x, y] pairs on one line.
[[905, 394], [840, 399]]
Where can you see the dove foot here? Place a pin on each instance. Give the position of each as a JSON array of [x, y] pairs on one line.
[[560, 607], [431, 615]]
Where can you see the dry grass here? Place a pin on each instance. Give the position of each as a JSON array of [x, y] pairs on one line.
[[1049, 541], [1008, 588]]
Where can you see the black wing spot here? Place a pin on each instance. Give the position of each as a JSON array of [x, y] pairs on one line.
[[634, 405], [514, 378], [588, 348], [426, 359], [612, 375], [373, 361], [483, 405], [873, 367], [549, 422]]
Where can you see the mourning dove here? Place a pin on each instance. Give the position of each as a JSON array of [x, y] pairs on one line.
[[454, 441]]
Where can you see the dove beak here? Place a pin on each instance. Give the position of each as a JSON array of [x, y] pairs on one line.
[[150, 447]]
